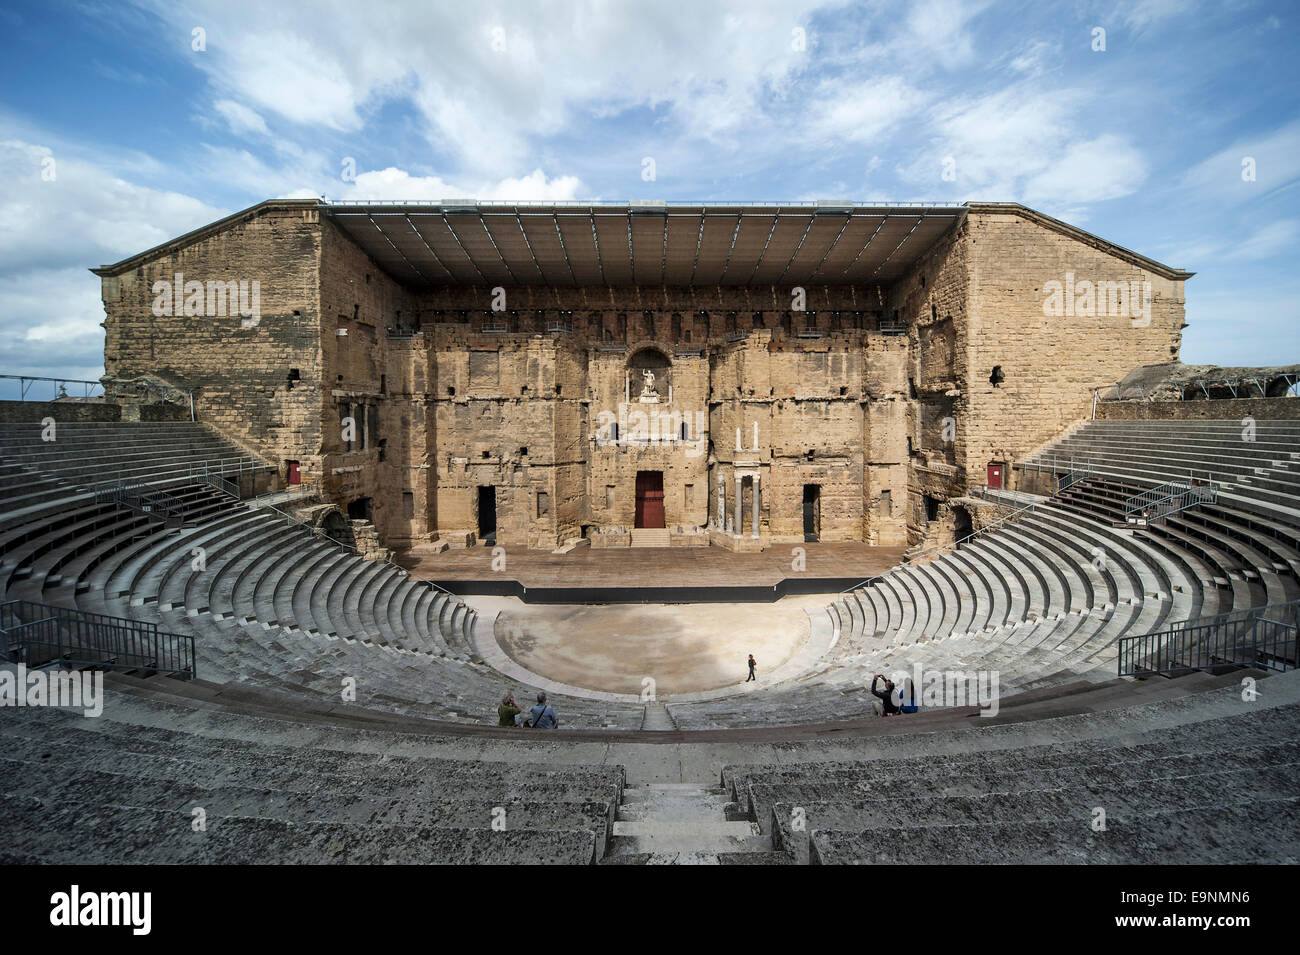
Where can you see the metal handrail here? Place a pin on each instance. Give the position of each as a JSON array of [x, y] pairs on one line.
[[984, 491], [1074, 477], [41, 634], [229, 488], [141, 496], [26, 381], [343, 546], [1263, 637], [1169, 498], [594, 204], [223, 466]]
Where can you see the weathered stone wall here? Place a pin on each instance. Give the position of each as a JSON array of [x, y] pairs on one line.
[[508, 414], [238, 366], [629, 315], [933, 300], [377, 379], [1049, 365], [444, 395], [626, 435]]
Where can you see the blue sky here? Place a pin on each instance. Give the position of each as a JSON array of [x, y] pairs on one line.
[[156, 118]]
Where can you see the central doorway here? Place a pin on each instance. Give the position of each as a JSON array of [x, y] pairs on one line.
[[487, 514], [650, 499], [812, 513]]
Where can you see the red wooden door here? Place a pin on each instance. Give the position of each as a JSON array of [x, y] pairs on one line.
[[995, 476], [650, 499], [295, 475]]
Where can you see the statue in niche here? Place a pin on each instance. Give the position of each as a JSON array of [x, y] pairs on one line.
[[648, 392]]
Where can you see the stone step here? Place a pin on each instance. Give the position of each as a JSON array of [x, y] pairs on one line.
[[650, 537], [690, 836], [656, 718]]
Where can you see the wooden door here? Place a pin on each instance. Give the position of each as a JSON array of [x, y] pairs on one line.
[[650, 499]]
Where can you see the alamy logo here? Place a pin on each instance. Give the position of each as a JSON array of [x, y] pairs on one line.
[[1087, 299], [75, 907], [941, 688], [636, 428], [211, 299], [70, 689]]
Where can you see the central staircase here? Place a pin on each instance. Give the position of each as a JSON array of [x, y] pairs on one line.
[[656, 718], [686, 824], [650, 537]]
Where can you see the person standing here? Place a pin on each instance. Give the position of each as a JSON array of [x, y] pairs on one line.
[[752, 665]]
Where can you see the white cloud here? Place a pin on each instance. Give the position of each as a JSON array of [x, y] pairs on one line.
[[1026, 143], [393, 183], [240, 118], [1140, 14], [86, 216], [1107, 167], [1276, 164], [1268, 241], [861, 111], [52, 233], [330, 64]]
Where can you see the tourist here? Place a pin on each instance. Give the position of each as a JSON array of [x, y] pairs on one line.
[[543, 716], [508, 712], [752, 664], [886, 696]]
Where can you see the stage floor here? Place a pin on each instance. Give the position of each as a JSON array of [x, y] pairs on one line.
[[651, 566]]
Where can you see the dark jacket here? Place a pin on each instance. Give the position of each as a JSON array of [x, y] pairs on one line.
[[885, 697]]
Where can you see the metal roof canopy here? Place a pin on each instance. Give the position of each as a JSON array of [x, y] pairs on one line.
[[644, 242]]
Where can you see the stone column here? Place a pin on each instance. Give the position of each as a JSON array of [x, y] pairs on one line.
[[739, 526], [756, 504], [722, 501]]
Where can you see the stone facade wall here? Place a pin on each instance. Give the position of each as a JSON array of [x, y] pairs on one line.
[[1050, 365], [239, 367], [377, 378], [874, 400]]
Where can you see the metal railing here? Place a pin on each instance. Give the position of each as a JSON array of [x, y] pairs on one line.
[[25, 383], [1072, 478], [1239, 387], [224, 467], [1262, 637], [506, 205], [344, 546], [143, 497], [39, 634], [227, 487], [1166, 499], [983, 490]]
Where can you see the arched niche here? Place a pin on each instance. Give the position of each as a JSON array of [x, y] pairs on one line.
[[649, 376]]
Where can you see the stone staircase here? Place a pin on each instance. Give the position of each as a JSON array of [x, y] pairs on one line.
[[650, 537], [686, 824], [657, 719]]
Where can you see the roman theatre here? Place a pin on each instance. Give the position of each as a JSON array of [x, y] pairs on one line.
[[759, 402], [357, 470]]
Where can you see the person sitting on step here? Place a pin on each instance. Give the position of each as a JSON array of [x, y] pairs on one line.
[[886, 706], [509, 712], [543, 716]]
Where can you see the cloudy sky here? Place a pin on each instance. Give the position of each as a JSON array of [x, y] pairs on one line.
[[1170, 128]]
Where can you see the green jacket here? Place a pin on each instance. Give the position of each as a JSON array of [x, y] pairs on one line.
[[506, 715]]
